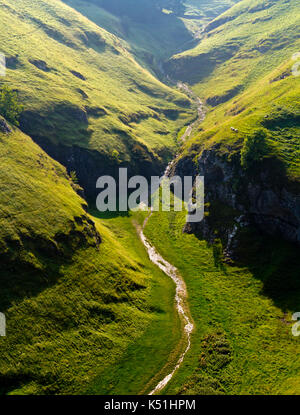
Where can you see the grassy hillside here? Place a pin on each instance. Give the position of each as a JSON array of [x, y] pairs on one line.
[[38, 204], [243, 69], [81, 86], [74, 306], [235, 44], [151, 33], [199, 13], [87, 312]]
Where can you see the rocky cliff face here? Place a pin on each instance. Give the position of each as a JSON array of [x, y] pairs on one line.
[[238, 199], [4, 127], [89, 165]]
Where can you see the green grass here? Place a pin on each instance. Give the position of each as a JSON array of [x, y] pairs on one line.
[[152, 36], [85, 317], [243, 342], [37, 198], [271, 106], [151, 39], [201, 12], [247, 82], [75, 309], [137, 369], [240, 46], [108, 102]]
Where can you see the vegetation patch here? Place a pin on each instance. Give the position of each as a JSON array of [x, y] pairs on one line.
[[10, 108]]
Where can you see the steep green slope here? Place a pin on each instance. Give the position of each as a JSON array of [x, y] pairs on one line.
[[271, 105], [82, 88], [153, 30], [38, 204], [254, 88], [91, 314], [148, 33], [241, 45], [74, 306], [249, 153], [199, 13], [248, 146]]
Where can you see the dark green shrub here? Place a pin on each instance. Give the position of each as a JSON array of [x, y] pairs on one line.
[[74, 177], [10, 108], [254, 150]]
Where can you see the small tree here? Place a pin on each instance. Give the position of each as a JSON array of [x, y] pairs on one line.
[[116, 156], [10, 108], [255, 148], [74, 177]]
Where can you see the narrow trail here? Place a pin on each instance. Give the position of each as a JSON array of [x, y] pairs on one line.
[[169, 269], [200, 108], [180, 300]]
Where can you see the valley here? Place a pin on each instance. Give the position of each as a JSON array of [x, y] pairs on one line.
[[136, 302]]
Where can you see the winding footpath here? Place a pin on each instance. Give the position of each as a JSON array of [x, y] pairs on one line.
[[169, 269], [180, 299], [200, 108]]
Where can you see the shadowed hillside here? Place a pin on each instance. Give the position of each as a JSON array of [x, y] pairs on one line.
[[248, 146], [90, 87], [76, 294], [84, 90]]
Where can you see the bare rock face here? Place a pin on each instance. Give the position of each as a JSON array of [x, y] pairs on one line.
[[265, 199], [40, 64], [12, 62], [4, 127], [78, 75]]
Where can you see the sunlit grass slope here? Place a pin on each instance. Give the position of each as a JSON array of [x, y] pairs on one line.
[[74, 306], [151, 35], [80, 85], [244, 73], [239, 46], [242, 68], [199, 13], [38, 203]]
